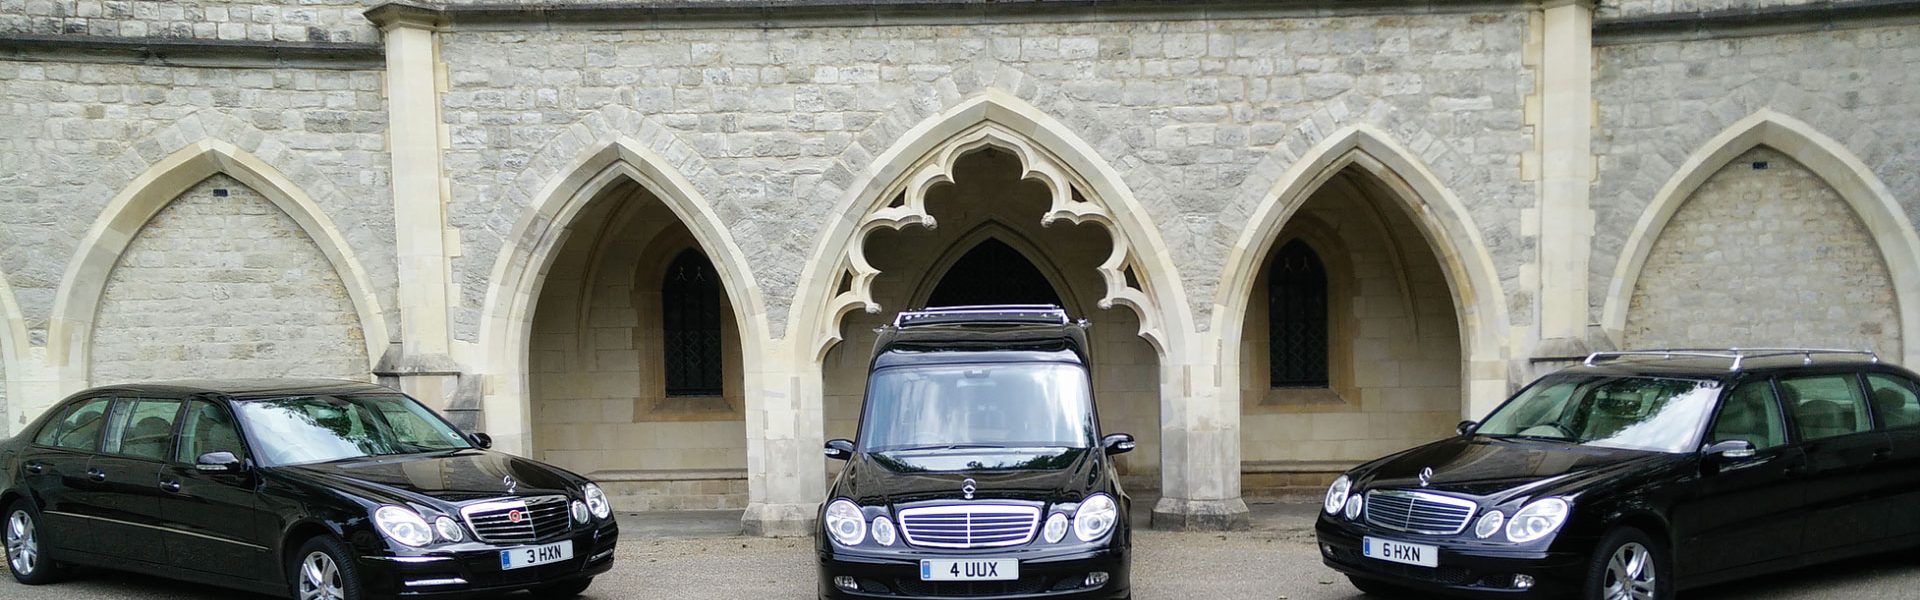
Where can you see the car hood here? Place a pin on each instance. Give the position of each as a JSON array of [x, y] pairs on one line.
[[450, 478], [1501, 469], [1027, 474]]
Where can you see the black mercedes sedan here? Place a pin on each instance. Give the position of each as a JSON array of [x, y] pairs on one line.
[[979, 470], [321, 490], [1639, 474]]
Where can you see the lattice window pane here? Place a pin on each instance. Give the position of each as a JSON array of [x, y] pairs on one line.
[[1297, 317], [690, 319]]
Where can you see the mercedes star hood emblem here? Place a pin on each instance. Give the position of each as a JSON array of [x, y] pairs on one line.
[[967, 488], [1426, 476]]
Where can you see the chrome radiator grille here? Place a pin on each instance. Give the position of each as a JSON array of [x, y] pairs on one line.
[[1418, 512], [969, 526], [517, 520]]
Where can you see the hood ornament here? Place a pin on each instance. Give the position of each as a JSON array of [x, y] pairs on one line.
[[1426, 476], [512, 486], [967, 488]]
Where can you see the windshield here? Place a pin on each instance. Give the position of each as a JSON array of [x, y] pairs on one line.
[[1011, 405], [1634, 413], [311, 429]]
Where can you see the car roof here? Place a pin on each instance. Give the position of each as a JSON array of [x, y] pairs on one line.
[[1726, 364], [1011, 333], [241, 389]]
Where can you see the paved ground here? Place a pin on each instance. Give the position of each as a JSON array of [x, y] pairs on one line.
[[695, 555]]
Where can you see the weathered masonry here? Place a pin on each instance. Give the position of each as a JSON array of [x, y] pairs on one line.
[[649, 241]]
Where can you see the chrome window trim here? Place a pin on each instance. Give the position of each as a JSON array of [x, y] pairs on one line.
[[1471, 507], [1030, 513]]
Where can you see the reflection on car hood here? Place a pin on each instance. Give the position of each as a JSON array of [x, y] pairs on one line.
[[1501, 468], [455, 477], [1036, 474]]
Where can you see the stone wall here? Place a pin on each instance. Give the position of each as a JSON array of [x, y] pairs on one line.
[[1648, 8], [771, 125], [1661, 102], [1765, 257], [77, 133], [221, 283], [252, 20]]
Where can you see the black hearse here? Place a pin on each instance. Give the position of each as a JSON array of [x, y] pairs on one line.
[[1639, 474], [979, 469], [322, 490]]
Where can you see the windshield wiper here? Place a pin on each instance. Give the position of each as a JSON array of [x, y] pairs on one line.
[[1537, 438], [949, 447]]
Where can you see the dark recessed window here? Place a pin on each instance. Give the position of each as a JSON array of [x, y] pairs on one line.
[[690, 313], [993, 273], [1297, 317]]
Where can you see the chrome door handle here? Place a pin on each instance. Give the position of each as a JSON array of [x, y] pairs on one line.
[[96, 475], [171, 486], [36, 468]]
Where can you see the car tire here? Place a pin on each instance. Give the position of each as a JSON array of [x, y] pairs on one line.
[[324, 569], [25, 546], [560, 591], [1376, 588], [1629, 558]]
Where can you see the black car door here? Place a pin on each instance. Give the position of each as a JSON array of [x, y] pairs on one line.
[[213, 519], [54, 471], [126, 477], [1846, 458], [1743, 512], [1896, 411]]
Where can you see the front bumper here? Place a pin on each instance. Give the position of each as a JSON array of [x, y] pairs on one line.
[[474, 568], [1465, 570], [1053, 574]]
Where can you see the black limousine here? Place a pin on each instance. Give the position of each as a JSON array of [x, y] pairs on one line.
[[320, 490], [1638, 474], [980, 470]]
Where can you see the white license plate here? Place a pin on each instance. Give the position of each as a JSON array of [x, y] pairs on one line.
[[1400, 552], [988, 569], [533, 556]]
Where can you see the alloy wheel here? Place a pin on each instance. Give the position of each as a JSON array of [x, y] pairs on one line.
[[1630, 574], [320, 578], [23, 548]]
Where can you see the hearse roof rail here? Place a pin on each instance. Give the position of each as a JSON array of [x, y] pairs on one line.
[[1736, 355], [995, 314]]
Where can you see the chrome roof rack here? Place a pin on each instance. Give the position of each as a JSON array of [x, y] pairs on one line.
[[990, 314], [1737, 355]]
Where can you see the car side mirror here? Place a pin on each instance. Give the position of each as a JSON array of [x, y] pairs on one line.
[[480, 440], [1465, 427], [839, 449], [1731, 451], [1119, 443], [218, 462]]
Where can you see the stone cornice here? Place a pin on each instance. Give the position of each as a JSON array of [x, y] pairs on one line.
[[1747, 22], [801, 13], [191, 52]]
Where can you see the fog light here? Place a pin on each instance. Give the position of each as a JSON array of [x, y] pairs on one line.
[[1523, 582], [846, 583], [1096, 579]]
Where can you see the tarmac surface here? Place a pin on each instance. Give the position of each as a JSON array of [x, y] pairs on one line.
[[698, 555]]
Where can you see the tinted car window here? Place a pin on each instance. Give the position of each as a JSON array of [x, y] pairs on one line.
[[1825, 406], [78, 429], [1894, 401], [207, 429], [1010, 405], [1751, 414], [142, 428], [1635, 413]]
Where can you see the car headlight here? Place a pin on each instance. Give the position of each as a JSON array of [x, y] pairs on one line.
[[1095, 518], [580, 511], [1355, 504], [597, 501], [1537, 520], [403, 525], [845, 523], [883, 531], [1489, 524], [1337, 495], [449, 529], [1056, 528]]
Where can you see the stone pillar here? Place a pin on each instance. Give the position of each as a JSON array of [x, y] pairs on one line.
[[419, 363], [1566, 167], [1199, 445], [786, 432]]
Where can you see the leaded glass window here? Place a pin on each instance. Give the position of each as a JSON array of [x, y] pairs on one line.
[[690, 315], [1297, 317]]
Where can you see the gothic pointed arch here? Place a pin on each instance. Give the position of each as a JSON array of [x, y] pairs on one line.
[[994, 232], [13, 332], [77, 303], [1870, 199]]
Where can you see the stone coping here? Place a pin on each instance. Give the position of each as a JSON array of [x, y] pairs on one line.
[[192, 52], [644, 475], [1747, 22]]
